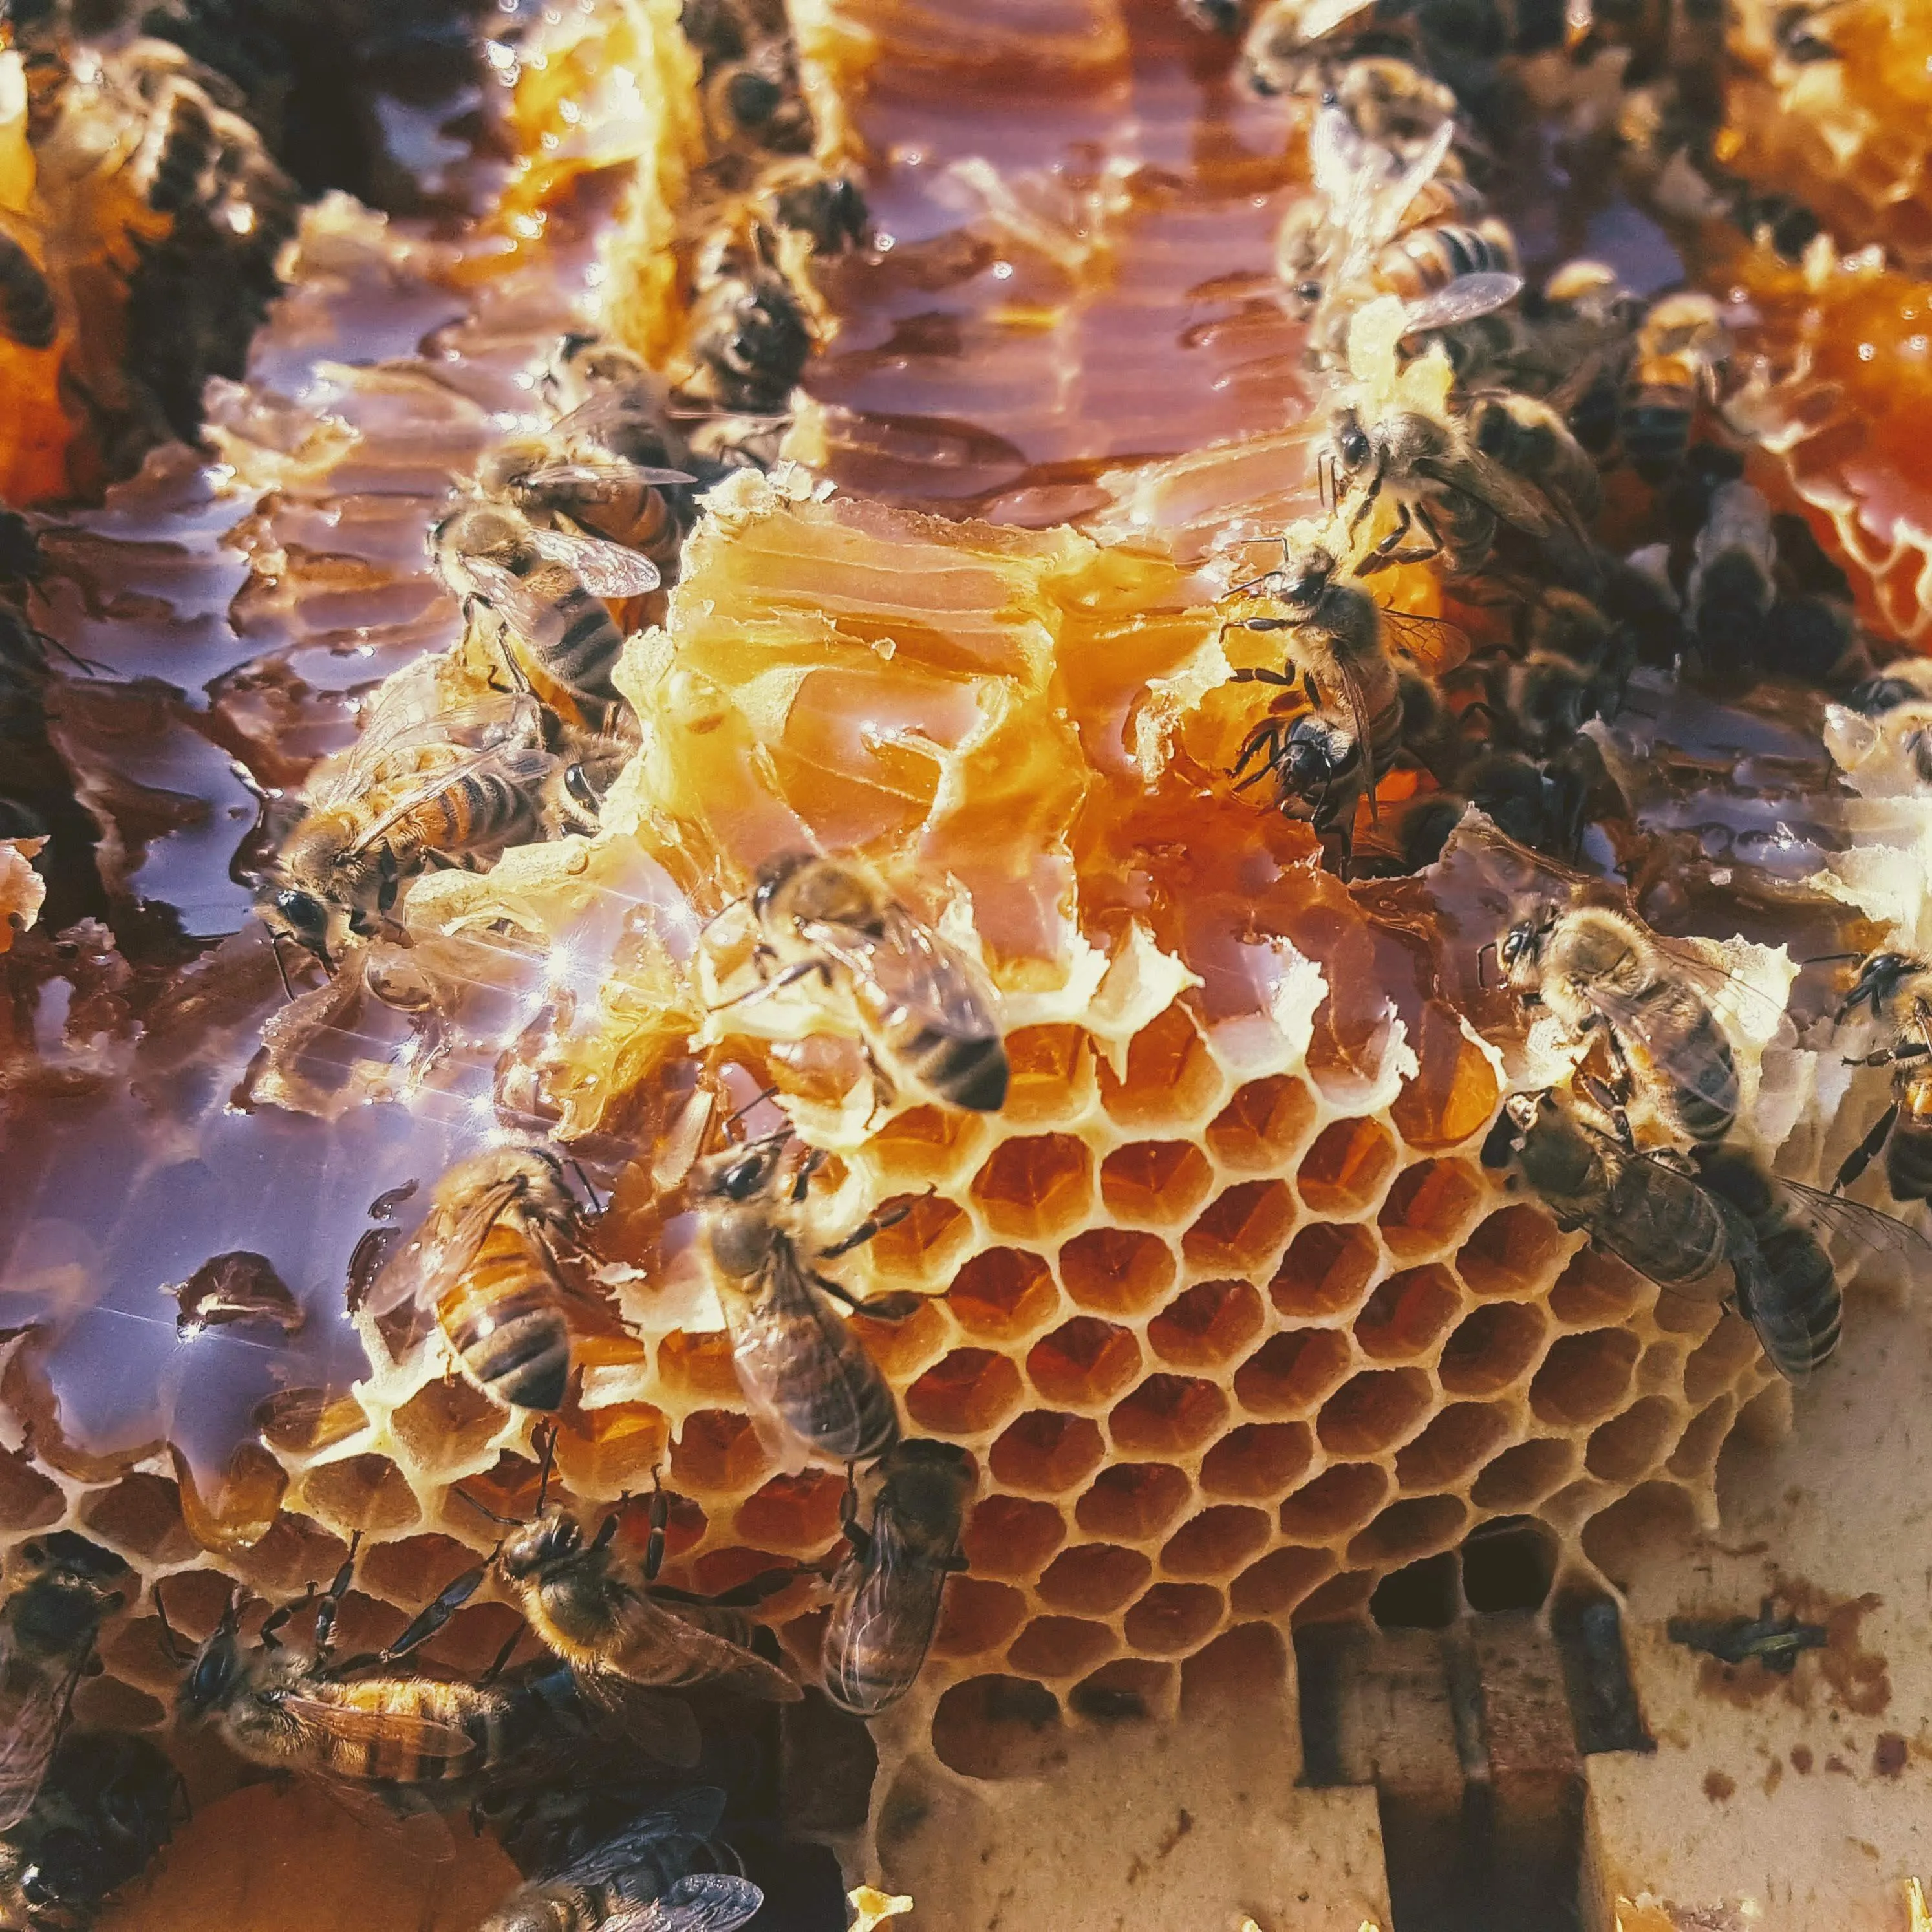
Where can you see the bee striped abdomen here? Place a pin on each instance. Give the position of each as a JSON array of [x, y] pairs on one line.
[[1792, 1299], [26, 299], [504, 1322], [394, 1760], [970, 1073], [1908, 1154]]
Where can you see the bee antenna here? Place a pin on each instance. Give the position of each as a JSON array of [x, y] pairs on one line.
[[171, 1644], [275, 946], [549, 1463], [1489, 945], [730, 1120], [1827, 958], [577, 1169], [483, 1509]]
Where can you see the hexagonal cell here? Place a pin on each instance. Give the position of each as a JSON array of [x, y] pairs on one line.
[[1263, 1124], [993, 1728], [1009, 1537], [1344, 1170], [1245, 1663], [413, 1569], [1454, 1092], [698, 1364], [793, 1513], [1421, 1595], [1155, 1184], [1339, 1499], [1508, 1565], [1033, 1187], [1173, 1618], [1522, 1477], [1416, 1526], [1094, 1578], [1242, 1228], [141, 1515], [28, 1501], [1127, 1688], [1696, 1454], [1209, 1324], [972, 1390], [367, 1492], [1061, 1646], [1328, 1268], [1169, 1414], [1172, 1079], [979, 1617], [1047, 1454], [1512, 1254], [1341, 1600], [197, 1600], [106, 1704], [1290, 1373], [1003, 1294], [1279, 1581], [1050, 1072], [1584, 1377], [1597, 1291], [1133, 1500], [1257, 1459], [1116, 1271], [1407, 1314], [1715, 1363], [1631, 1445], [1428, 1205], [447, 1422], [718, 1570], [1215, 1543], [903, 1347], [1491, 1348], [1454, 1446], [926, 1145], [1374, 1411], [1692, 1315], [619, 1447], [1640, 1529], [1084, 1362], [136, 1652], [717, 1449]]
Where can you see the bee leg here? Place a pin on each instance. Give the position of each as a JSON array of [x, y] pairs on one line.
[[874, 1224], [1860, 1156], [500, 1662], [324, 1611], [1601, 1094], [790, 977], [427, 1621], [654, 1544], [1268, 734], [859, 1537]]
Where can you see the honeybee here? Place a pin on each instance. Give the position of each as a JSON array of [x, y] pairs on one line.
[[1530, 439], [750, 333], [1644, 1208], [1681, 344], [639, 1879], [1598, 970], [758, 103], [64, 1588], [1896, 989], [611, 465], [106, 1808], [413, 794], [546, 585], [801, 196], [1450, 499], [1731, 589], [27, 311], [492, 1261], [926, 1016], [278, 1705], [886, 1596]]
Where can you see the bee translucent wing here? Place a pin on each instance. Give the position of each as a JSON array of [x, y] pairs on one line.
[[398, 730], [587, 473], [1358, 723], [892, 1597], [1339, 160], [1395, 199], [363, 1724], [1463, 300], [520, 768], [30, 1724], [1835, 1219], [704, 1902], [623, 406], [1433, 645], [661, 1724], [1473, 473], [686, 1817], [1322, 17], [914, 970], [645, 1630], [430, 1266], [1723, 988], [607, 569], [1654, 1216]]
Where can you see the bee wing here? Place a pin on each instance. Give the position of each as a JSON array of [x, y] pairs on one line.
[[914, 969], [1463, 300], [398, 729], [1321, 18], [687, 1816], [594, 472], [607, 569], [1358, 723], [704, 1902], [1837, 1221], [662, 1725], [30, 1727], [645, 1630], [1477, 475], [895, 1595], [615, 407], [1648, 1219], [429, 1267], [1393, 202], [360, 1723], [1723, 988], [521, 768], [1433, 645]]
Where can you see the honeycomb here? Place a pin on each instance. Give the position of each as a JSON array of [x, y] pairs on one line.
[[1232, 1319]]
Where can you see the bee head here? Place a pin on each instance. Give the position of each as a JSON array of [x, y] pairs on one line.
[[773, 876], [1523, 942], [554, 1537], [1504, 1140], [1352, 442], [1879, 982], [1305, 575], [305, 919]]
